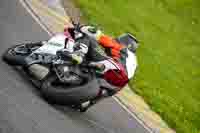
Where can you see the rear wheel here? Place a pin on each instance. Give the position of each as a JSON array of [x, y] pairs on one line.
[[16, 55]]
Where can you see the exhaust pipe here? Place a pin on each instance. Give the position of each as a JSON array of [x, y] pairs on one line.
[[39, 71]]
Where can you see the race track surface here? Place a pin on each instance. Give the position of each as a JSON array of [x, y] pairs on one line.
[[22, 110]]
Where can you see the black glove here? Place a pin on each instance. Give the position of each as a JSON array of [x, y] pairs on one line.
[[64, 54]]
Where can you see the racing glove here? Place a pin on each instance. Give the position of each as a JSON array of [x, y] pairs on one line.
[[80, 50], [66, 55], [76, 56]]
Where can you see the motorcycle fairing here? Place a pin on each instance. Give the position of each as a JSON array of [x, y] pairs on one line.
[[131, 64], [54, 44]]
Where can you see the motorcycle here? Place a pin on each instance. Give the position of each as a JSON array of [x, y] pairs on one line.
[[59, 80]]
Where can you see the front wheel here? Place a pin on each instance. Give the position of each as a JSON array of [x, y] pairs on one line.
[[16, 55]]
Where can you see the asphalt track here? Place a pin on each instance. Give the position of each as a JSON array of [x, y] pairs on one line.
[[22, 110]]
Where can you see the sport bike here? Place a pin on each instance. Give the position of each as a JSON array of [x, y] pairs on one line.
[[59, 79]]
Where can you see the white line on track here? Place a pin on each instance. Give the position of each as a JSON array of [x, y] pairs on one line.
[[35, 17], [141, 122], [115, 98]]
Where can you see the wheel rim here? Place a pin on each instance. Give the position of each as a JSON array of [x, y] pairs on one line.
[[21, 50]]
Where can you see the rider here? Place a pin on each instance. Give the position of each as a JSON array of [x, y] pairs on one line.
[[115, 68]]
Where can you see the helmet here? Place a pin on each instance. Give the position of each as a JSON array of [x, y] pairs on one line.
[[91, 31]]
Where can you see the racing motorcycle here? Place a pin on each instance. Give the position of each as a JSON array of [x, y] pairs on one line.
[[59, 79]]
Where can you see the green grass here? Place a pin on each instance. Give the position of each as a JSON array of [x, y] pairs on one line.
[[169, 54]]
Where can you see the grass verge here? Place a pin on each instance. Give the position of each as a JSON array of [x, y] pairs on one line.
[[168, 77]]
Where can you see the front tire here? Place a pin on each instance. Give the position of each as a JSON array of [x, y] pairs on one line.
[[16, 55]]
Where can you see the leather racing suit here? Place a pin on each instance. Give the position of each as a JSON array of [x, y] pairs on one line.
[[113, 72]]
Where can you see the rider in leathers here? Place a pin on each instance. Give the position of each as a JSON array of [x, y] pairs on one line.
[[112, 70]]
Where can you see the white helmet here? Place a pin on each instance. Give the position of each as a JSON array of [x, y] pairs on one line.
[[91, 31]]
